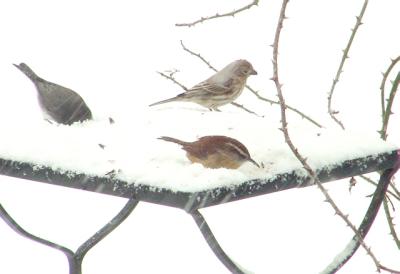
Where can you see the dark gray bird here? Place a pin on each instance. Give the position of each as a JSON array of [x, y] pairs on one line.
[[61, 104]]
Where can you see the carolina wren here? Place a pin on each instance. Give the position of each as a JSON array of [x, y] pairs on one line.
[[215, 151]]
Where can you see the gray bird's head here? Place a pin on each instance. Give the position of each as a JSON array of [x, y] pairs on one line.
[[244, 68]]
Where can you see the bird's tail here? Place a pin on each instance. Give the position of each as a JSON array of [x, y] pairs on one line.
[[27, 71], [173, 140], [166, 101]]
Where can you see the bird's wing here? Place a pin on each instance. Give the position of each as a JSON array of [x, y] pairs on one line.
[[212, 88], [63, 105]]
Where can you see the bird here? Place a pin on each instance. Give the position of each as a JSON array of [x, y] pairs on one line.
[[215, 151], [220, 89], [58, 103]]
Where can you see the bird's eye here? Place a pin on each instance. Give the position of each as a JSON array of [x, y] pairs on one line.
[[246, 71]]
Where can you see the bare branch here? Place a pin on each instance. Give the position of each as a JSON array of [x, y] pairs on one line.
[[372, 211], [395, 189], [256, 93], [389, 219], [345, 56], [388, 110], [383, 83], [369, 180], [245, 109], [198, 56], [232, 13], [172, 78]]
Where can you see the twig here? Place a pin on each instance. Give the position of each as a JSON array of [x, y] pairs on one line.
[[256, 93], [387, 212], [198, 56], [388, 110], [389, 219], [395, 189], [383, 83], [369, 180], [379, 194], [232, 13], [332, 112], [245, 109], [171, 77]]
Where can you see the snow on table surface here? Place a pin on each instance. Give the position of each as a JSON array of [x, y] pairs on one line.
[[131, 146]]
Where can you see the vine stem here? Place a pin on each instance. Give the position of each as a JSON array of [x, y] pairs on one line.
[[358, 237], [232, 13], [345, 56]]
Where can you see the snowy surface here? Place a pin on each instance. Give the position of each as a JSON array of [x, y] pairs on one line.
[[141, 158], [109, 52]]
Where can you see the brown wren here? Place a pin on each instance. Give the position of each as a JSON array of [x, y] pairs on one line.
[[215, 151]]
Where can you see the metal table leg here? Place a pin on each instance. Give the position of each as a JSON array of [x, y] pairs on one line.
[[213, 243], [74, 258]]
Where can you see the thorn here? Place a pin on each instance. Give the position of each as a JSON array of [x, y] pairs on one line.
[[102, 146]]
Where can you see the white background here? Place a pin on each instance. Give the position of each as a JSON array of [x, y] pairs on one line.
[[109, 52]]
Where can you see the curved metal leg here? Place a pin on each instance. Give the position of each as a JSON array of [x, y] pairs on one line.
[[74, 258], [366, 223], [213, 243]]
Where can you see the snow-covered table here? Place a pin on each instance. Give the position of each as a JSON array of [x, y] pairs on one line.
[[147, 169]]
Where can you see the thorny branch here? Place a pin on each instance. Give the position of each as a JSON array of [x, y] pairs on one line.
[[383, 83], [389, 218], [369, 180], [275, 78], [256, 93], [388, 110], [232, 13], [332, 112], [170, 76]]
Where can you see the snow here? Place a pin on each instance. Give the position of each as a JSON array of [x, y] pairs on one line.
[[341, 256], [109, 52], [141, 158]]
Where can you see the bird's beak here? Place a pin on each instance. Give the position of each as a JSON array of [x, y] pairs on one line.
[[254, 72], [253, 162]]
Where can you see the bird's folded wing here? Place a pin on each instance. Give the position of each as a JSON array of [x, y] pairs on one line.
[[212, 88]]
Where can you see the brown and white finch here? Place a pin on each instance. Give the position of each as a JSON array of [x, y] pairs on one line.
[[220, 89], [58, 103], [215, 151]]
